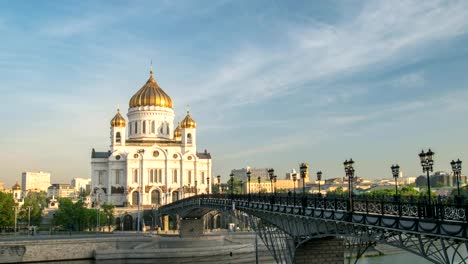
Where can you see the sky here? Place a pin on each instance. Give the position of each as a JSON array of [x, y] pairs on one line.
[[270, 83]]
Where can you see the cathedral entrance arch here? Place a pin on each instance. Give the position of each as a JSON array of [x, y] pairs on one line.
[[135, 198], [156, 197], [127, 223], [175, 196]]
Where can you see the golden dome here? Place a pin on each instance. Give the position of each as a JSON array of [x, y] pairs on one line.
[[178, 131], [118, 120], [151, 95], [188, 122], [16, 187]]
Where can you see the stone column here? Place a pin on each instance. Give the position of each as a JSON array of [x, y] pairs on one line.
[[166, 223], [327, 250]]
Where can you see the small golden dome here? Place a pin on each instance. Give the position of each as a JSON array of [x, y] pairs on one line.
[[188, 122], [178, 131], [118, 120], [151, 95], [16, 187]]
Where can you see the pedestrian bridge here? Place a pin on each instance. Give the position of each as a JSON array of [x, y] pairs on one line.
[[316, 229]]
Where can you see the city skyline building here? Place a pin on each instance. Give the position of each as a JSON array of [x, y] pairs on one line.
[[35, 181], [150, 156]]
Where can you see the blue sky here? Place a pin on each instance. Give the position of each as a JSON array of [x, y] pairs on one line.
[[270, 83]]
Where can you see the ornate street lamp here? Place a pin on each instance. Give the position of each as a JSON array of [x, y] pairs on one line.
[[349, 171], [271, 172], [294, 177], [274, 184], [249, 174], [219, 183], [319, 178], [303, 169], [196, 187], [232, 184], [208, 184], [427, 163], [456, 168], [259, 179], [396, 172]]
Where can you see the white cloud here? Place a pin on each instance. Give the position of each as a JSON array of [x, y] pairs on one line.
[[413, 79], [382, 34]]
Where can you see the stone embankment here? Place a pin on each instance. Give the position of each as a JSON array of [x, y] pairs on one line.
[[232, 248]]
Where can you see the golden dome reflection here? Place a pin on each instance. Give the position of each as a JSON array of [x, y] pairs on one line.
[[151, 95]]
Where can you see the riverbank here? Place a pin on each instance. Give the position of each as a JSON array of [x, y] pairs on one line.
[[166, 249]]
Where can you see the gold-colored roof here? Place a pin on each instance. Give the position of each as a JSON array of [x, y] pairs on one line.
[[151, 95], [118, 120], [178, 131], [16, 187], [188, 122]]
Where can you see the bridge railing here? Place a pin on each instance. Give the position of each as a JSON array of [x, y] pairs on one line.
[[439, 208]]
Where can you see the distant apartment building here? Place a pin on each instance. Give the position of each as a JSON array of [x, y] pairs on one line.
[[241, 174], [61, 190], [441, 179], [35, 181], [81, 184], [407, 180]]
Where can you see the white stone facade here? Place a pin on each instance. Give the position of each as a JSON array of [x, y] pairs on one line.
[[35, 181], [171, 166]]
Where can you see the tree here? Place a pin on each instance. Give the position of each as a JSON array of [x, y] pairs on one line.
[[74, 216], [7, 213], [108, 210], [37, 201]]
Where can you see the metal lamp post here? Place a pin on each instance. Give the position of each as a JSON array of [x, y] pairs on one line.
[[189, 189], [140, 186], [456, 168], [274, 185], [396, 172], [319, 178], [303, 169], [219, 183], [232, 184], [271, 171], [208, 184], [294, 176], [427, 163], [259, 179], [349, 171], [196, 187], [249, 174]]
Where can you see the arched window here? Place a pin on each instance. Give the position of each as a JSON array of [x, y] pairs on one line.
[[144, 127], [117, 137], [135, 198], [153, 127], [135, 175], [189, 138], [155, 197]]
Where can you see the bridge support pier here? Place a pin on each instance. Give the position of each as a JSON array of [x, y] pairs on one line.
[[190, 227], [327, 250]]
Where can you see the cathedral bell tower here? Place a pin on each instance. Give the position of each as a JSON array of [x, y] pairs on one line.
[[118, 129], [189, 133]]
